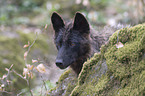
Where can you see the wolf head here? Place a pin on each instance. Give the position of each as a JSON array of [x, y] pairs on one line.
[[72, 40]]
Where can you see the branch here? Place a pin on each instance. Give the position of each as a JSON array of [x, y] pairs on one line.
[[21, 76], [30, 47], [44, 84], [9, 72], [6, 92], [28, 81], [19, 93]]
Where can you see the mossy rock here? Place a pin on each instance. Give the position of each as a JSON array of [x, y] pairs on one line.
[[12, 52], [114, 71], [65, 85]]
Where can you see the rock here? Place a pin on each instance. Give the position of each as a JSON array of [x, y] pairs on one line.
[[113, 72]]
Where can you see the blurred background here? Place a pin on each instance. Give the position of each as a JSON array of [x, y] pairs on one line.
[[21, 19]]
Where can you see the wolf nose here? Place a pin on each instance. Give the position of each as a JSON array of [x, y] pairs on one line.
[[59, 63]]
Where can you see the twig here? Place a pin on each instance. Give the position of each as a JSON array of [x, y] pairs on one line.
[[19, 93], [30, 87], [41, 90], [8, 73], [6, 92], [6, 79], [44, 83], [28, 81], [30, 47], [9, 69], [21, 76]]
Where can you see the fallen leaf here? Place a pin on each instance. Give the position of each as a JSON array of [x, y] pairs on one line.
[[25, 71], [1, 89], [45, 26], [25, 55], [40, 68], [9, 81], [4, 76], [2, 85], [33, 61], [30, 67], [30, 75], [27, 45], [119, 45], [6, 69], [25, 76]]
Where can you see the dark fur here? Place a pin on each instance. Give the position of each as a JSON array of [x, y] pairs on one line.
[[74, 41]]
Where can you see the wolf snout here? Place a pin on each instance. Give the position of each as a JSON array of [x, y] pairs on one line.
[[59, 63]]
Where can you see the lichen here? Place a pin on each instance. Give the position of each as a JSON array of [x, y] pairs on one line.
[[115, 71]]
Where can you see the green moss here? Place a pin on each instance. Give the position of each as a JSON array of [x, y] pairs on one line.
[[88, 66], [69, 89], [101, 84], [125, 62], [92, 88], [64, 75], [116, 71], [65, 85], [135, 87], [123, 58]]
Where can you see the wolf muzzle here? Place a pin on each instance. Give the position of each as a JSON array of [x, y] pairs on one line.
[[59, 63]]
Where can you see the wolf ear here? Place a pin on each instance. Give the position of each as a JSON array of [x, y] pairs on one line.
[[57, 21], [80, 23]]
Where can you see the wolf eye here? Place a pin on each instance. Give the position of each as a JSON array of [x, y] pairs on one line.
[[58, 45], [72, 44]]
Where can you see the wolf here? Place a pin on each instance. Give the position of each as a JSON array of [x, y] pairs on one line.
[[74, 41]]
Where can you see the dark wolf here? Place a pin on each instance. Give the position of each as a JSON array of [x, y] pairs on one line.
[[74, 41]]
